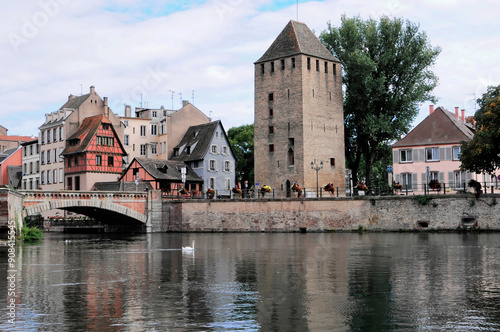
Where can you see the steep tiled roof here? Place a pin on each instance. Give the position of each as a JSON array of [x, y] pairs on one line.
[[15, 174], [296, 38], [167, 170], [198, 138], [86, 132], [16, 138], [75, 101], [440, 127]]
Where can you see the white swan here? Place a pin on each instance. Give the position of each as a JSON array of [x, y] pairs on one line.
[[188, 248]]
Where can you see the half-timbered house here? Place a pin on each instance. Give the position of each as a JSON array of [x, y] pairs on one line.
[[165, 175], [94, 153]]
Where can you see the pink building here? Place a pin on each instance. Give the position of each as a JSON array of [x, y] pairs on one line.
[[431, 151], [11, 161]]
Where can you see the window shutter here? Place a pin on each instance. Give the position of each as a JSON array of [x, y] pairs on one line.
[[423, 177], [395, 156], [488, 180], [421, 154], [441, 153], [414, 180], [441, 177], [397, 178], [448, 153], [451, 179]]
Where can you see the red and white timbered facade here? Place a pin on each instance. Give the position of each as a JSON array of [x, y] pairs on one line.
[[94, 153]]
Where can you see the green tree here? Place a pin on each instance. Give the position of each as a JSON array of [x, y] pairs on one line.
[[386, 75], [482, 152], [241, 140]]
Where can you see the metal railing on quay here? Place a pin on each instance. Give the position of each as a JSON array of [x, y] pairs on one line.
[[315, 193]]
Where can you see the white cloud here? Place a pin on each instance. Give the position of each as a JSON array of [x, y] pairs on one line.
[[129, 48]]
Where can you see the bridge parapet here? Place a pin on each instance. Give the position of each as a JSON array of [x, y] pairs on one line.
[[131, 204]]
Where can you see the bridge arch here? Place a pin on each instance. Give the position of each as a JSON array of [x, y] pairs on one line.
[[127, 205]]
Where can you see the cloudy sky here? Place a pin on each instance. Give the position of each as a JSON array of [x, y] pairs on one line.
[[203, 51]]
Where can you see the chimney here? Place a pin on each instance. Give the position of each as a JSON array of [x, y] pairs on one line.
[[463, 116], [128, 111], [106, 108], [92, 90], [431, 109], [185, 102], [456, 112]]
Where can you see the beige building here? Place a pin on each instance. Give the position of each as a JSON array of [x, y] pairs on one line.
[[60, 125], [31, 165], [153, 133], [298, 114]]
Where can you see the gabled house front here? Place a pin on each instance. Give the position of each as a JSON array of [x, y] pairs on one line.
[[164, 175], [431, 152], [94, 153], [207, 150]]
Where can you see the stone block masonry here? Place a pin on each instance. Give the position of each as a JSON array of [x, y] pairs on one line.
[[396, 213]]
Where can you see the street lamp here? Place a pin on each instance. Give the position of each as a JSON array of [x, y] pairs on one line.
[[317, 167]]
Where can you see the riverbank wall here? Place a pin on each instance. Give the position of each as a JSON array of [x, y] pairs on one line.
[[391, 213]]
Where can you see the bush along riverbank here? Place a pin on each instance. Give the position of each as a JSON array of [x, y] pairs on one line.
[[31, 231]]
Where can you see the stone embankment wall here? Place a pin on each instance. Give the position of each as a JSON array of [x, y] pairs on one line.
[[443, 212]]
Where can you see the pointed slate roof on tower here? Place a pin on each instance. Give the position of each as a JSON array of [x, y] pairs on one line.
[[296, 38]]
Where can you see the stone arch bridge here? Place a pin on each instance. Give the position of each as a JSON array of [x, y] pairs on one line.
[[133, 208]]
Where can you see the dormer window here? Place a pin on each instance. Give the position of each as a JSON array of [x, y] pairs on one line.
[[188, 150], [73, 142], [176, 152], [195, 134], [163, 168]]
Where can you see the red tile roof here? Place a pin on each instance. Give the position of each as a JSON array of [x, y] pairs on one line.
[[86, 132], [440, 127], [17, 138]]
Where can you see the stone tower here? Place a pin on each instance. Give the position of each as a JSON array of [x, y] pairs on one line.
[[298, 113]]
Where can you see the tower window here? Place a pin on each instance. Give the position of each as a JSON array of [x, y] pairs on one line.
[[291, 141], [271, 111], [317, 65], [291, 157], [271, 129], [309, 63], [334, 69], [283, 64], [272, 67], [326, 67], [271, 147], [271, 96], [293, 62], [262, 69]]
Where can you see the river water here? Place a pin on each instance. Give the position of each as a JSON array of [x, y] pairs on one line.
[[256, 282]]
